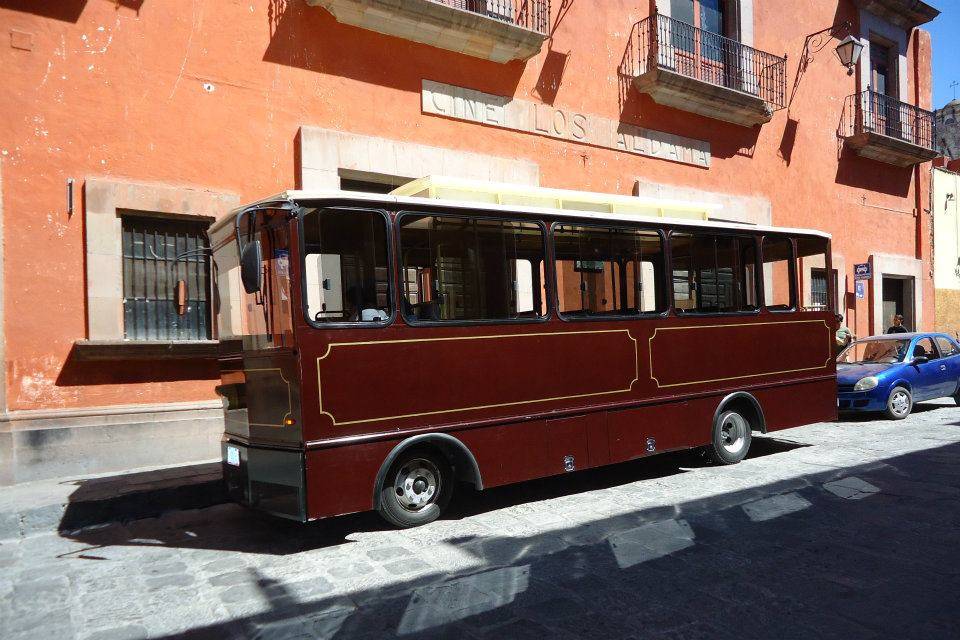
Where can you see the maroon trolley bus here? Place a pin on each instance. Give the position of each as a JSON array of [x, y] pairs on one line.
[[375, 350]]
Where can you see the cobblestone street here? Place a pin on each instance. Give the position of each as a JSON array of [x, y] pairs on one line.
[[842, 530]]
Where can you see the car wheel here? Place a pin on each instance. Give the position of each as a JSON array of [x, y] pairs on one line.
[[416, 489], [732, 435], [899, 403]]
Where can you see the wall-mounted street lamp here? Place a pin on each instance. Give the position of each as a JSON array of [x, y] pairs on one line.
[[848, 51]]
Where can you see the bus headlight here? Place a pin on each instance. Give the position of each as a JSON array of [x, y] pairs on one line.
[[865, 384]]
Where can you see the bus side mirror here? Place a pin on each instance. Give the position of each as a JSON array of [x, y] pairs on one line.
[[251, 274], [180, 297]]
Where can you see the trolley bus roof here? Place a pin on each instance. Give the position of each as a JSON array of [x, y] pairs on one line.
[[315, 196]]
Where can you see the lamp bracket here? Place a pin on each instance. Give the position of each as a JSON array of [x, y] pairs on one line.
[[815, 42]]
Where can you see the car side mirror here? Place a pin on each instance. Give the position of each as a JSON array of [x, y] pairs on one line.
[[251, 274], [920, 360]]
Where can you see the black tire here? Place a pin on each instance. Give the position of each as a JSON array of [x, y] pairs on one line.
[[730, 438], [416, 489], [899, 403]]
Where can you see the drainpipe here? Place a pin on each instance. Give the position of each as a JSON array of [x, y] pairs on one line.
[[916, 169]]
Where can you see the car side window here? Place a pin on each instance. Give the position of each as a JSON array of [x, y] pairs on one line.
[[925, 348], [947, 347]]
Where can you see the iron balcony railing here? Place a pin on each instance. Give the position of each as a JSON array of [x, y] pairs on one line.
[[533, 15], [680, 47], [872, 112]]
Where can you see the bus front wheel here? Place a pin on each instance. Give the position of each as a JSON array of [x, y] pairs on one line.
[[732, 435], [416, 489]]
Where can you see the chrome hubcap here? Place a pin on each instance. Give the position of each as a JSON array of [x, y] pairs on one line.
[[733, 433], [417, 484], [900, 403]]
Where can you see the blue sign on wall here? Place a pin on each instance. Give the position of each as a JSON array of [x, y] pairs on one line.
[[860, 290], [862, 271]]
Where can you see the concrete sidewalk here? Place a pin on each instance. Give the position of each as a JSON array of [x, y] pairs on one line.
[[69, 504]]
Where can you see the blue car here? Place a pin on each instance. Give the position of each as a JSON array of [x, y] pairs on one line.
[[890, 373]]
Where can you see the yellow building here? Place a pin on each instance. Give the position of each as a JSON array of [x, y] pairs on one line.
[[946, 248]]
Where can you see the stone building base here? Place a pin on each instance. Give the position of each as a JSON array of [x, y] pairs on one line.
[[38, 445]]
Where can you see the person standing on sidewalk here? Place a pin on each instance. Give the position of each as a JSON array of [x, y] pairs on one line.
[[897, 326]]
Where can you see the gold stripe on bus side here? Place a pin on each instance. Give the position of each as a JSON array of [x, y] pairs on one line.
[[330, 347], [752, 375]]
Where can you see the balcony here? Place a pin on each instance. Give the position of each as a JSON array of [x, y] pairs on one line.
[[686, 68], [906, 14], [880, 127], [497, 30]]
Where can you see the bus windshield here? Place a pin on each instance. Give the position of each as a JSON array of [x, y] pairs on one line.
[[886, 351], [262, 319]]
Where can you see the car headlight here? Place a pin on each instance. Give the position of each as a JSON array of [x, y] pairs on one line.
[[865, 384]]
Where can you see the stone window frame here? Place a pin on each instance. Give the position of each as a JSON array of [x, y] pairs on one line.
[[897, 38], [105, 201], [895, 266], [326, 155]]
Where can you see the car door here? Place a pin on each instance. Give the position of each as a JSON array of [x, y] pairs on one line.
[[929, 380], [950, 361]]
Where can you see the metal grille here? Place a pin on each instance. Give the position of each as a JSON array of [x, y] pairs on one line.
[[667, 43], [873, 112], [529, 14], [819, 293], [150, 274]]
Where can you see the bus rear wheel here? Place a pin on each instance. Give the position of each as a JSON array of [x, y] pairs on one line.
[[416, 489], [732, 435]]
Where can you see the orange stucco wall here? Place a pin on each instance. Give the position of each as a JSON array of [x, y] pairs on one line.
[[116, 89]]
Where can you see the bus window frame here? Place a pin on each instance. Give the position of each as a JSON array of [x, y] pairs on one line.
[[547, 258], [302, 261], [758, 277], [555, 301], [792, 276]]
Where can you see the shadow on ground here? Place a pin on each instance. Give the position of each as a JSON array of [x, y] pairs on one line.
[[787, 560], [179, 504]]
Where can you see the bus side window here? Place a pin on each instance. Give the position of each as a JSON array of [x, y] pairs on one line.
[[345, 265], [467, 269], [815, 282], [608, 271], [778, 267], [684, 285]]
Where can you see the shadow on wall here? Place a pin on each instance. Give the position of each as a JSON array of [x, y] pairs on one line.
[[788, 140], [79, 372], [310, 38], [794, 558], [856, 171], [66, 10]]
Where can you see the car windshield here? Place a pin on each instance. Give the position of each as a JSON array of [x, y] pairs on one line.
[[869, 351]]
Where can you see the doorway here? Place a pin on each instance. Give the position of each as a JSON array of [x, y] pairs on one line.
[[898, 300]]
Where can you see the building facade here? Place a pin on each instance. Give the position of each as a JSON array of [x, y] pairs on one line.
[[946, 245], [128, 126]]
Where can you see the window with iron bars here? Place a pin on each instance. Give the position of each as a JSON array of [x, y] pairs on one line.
[[819, 292], [157, 254]]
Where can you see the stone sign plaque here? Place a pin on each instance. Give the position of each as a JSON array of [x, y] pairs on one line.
[[540, 119]]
